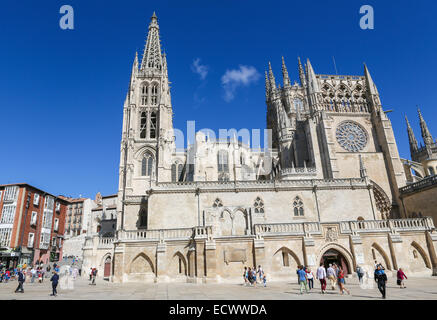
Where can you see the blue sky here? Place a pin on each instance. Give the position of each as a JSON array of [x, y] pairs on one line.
[[62, 91]]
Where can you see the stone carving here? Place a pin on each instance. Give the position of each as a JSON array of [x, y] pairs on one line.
[[331, 234]]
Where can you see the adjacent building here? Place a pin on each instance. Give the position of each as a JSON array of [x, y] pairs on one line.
[[31, 225], [419, 196]]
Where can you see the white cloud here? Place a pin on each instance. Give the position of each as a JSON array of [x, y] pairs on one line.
[[201, 70], [232, 79]]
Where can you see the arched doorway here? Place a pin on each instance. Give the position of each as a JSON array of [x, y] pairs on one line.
[[107, 269], [332, 256]]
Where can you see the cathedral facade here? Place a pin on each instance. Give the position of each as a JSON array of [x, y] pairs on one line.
[[325, 190]]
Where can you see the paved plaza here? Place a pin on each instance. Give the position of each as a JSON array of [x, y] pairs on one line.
[[417, 288]]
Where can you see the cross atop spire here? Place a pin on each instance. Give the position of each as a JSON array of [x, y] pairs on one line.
[[426, 135], [152, 58], [285, 76]]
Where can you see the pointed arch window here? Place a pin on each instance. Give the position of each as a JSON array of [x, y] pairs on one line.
[[143, 125], [177, 172], [147, 164], [154, 97], [217, 203], [223, 165], [144, 95], [298, 207], [259, 205], [153, 125]]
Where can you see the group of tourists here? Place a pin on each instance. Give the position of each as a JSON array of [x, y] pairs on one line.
[[252, 276], [335, 274]]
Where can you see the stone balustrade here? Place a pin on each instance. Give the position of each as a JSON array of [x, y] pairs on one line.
[[105, 242], [419, 185], [298, 228], [159, 234], [419, 224], [271, 229]]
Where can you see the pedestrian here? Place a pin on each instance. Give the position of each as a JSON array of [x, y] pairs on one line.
[[254, 276], [75, 273], [341, 281], [360, 273], [33, 274], [302, 279], [332, 276], [264, 279], [39, 275], [401, 276], [310, 277], [94, 276], [54, 279], [260, 273], [381, 279], [321, 276], [21, 279], [91, 273], [245, 276]]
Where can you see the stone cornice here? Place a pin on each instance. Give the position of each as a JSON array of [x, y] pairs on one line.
[[256, 186]]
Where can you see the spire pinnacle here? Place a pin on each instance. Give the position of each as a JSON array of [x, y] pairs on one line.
[[301, 73], [267, 84], [285, 76], [426, 135], [152, 58], [271, 78], [312, 77], [411, 138], [369, 81]]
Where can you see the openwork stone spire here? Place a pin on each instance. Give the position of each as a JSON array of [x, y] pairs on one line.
[[301, 73], [271, 78], [152, 58], [426, 135], [411, 138], [285, 76]]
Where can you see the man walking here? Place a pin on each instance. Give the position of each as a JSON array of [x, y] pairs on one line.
[[54, 279], [21, 280], [302, 276], [381, 279], [321, 275], [332, 276]]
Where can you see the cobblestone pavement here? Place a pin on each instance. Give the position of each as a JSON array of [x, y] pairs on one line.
[[417, 288]]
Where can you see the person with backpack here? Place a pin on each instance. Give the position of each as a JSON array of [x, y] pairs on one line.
[[54, 279], [400, 278], [21, 279], [381, 279]]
